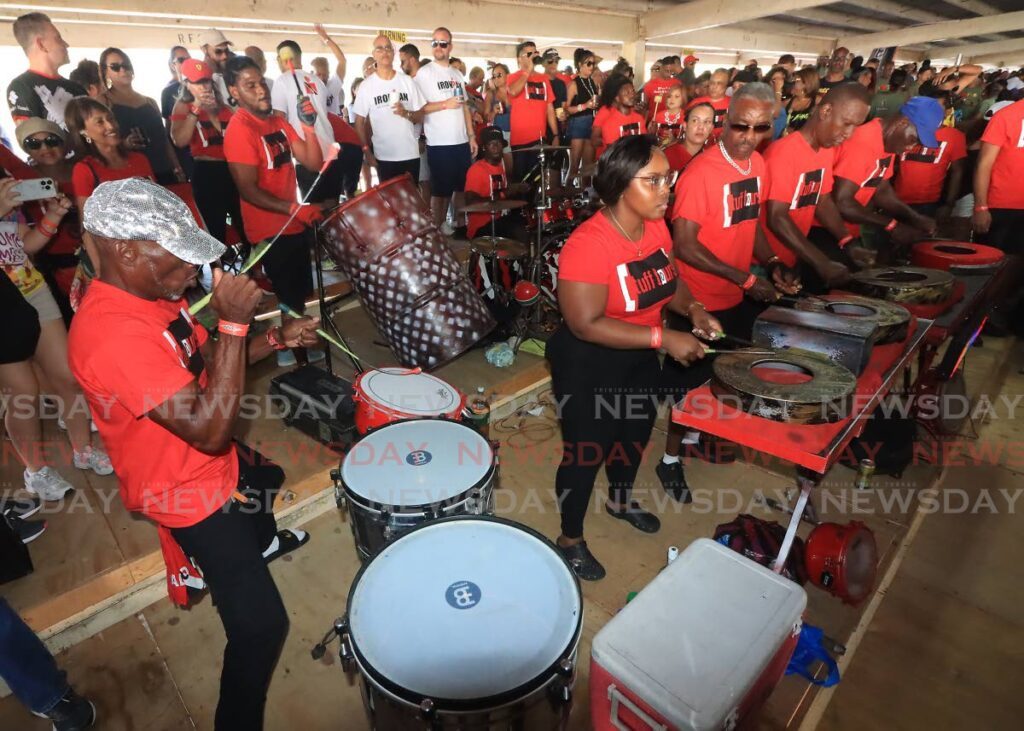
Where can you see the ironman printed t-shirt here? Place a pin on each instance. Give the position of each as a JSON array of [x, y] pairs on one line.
[[640, 275], [726, 205]]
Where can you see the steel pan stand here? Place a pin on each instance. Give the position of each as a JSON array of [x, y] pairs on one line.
[[326, 321]]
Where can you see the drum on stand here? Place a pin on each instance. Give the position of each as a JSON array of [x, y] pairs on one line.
[[495, 265], [467, 623], [409, 472], [387, 395]]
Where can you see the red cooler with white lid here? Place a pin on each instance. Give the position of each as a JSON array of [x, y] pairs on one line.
[[699, 648]]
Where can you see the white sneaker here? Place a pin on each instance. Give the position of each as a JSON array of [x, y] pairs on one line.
[[93, 459], [64, 427], [46, 483]]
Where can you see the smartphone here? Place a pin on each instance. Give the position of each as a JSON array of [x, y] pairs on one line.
[[36, 190]]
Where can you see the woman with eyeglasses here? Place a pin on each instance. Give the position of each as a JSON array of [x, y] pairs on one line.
[[616, 117], [139, 116], [803, 96], [698, 125], [584, 95], [199, 119], [45, 143], [616, 274]]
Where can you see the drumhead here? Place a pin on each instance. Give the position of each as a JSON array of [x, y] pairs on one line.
[[416, 463], [465, 611], [415, 394]]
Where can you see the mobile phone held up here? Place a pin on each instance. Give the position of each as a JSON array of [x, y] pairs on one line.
[[36, 189]]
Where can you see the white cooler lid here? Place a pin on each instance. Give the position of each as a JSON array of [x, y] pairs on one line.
[[694, 640]]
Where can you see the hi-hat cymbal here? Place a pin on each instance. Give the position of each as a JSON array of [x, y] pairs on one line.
[[492, 206], [542, 148], [498, 246]]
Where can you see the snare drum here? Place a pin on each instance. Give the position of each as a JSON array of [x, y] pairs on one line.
[[408, 472], [468, 623], [386, 395]]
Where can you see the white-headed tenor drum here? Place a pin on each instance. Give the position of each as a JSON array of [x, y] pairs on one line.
[[468, 623], [408, 472], [387, 395]]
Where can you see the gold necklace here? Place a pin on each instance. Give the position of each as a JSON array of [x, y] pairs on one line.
[[639, 250]]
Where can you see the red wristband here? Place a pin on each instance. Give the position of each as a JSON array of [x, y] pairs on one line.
[[46, 228], [273, 341], [845, 240], [749, 283], [656, 335], [232, 328], [891, 225], [981, 208]]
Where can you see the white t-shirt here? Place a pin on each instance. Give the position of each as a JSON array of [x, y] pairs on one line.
[[222, 87], [284, 98], [335, 95], [439, 83], [394, 137]]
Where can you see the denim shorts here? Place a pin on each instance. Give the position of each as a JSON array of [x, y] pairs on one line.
[[579, 127]]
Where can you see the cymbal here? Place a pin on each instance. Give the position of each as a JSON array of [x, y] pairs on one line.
[[501, 247], [542, 148], [492, 206]]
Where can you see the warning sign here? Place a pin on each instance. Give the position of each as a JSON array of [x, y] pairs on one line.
[[395, 36]]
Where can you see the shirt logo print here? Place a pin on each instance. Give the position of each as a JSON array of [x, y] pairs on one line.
[[808, 189], [536, 90], [741, 201], [927, 155], [647, 281], [878, 174]]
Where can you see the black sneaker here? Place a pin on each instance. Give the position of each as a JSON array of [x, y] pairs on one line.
[[637, 517], [72, 713], [583, 562], [20, 507], [28, 530], [674, 481]]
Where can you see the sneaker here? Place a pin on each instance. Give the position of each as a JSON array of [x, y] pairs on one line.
[[674, 481], [20, 507], [71, 713], [28, 530], [582, 561], [285, 358], [46, 483], [93, 459], [64, 427], [447, 229], [637, 517], [315, 355]]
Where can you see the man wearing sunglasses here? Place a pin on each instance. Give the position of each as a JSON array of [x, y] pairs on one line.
[[168, 98], [447, 124], [216, 52], [41, 91], [532, 108]]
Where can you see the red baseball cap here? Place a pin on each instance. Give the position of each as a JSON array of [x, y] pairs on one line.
[[196, 71], [691, 59]]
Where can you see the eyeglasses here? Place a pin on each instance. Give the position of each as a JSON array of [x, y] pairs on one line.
[[34, 143], [440, 44], [119, 66], [384, 49], [758, 128], [658, 181], [497, 76], [181, 59]]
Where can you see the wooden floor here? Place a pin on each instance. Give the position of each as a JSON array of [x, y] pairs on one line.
[[943, 650]]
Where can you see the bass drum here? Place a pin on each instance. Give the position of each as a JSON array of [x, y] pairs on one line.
[[549, 267], [465, 623], [409, 281], [408, 472]]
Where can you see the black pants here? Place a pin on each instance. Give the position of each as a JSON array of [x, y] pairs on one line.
[[607, 400], [387, 169], [739, 321], [328, 188], [228, 546], [287, 266], [827, 244], [510, 226], [350, 164], [217, 198], [1007, 230]]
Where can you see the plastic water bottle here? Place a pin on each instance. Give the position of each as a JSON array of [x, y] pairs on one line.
[[480, 412]]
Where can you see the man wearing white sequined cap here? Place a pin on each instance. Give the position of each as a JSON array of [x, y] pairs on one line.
[[165, 398]]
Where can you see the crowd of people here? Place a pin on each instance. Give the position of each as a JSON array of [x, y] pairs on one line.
[[720, 191]]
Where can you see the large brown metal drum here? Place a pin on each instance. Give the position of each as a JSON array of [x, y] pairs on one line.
[[409, 281]]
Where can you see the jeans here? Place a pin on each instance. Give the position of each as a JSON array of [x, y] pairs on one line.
[[26, 665]]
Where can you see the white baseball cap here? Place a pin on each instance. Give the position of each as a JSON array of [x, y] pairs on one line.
[[212, 37]]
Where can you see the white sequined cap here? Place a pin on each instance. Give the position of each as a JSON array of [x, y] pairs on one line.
[[137, 209]]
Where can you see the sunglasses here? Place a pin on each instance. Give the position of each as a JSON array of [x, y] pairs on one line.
[[220, 51], [34, 143], [440, 44], [181, 59], [119, 66], [758, 128], [497, 76], [588, 63]]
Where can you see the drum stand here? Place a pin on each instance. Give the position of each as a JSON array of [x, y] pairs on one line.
[[326, 321]]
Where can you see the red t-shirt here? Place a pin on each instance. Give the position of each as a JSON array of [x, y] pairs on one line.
[[863, 160], [161, 475], [727, 206], [654, 94], [529, 120], [721, 106], [90, 171], [206, 140], [489, 181], [614, 124], [922, 170], [265, 144], [797, 176], [344, 133], [639, 275], [667, 123], [1006, 129]]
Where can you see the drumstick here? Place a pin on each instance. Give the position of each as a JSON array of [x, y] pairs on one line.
[[320, 331]]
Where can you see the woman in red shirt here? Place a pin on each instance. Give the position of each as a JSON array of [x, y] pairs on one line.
[[616, 273], [616, 118], [198, 120], [102, 156], [698, 125]]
